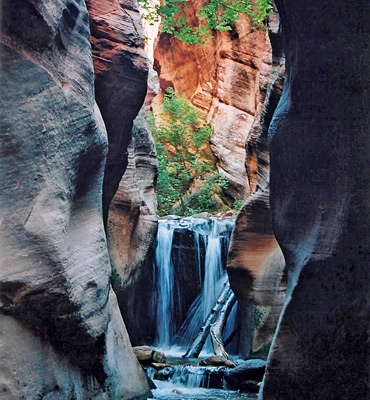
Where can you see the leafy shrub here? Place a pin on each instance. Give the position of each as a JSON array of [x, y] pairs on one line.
[[217, 15], [238, 204], [184, 157]]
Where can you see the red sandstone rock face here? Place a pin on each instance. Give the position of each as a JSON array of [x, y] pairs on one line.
[[255, 262], [62, 335], [120, 66], [221, 78]]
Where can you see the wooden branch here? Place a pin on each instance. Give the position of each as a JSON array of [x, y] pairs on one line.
[[200, 339], [218, 325]]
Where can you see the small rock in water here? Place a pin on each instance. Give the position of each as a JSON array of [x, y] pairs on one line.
[[172, 217], [217, 361], [159, 366], [158, 357], [164, 374], [176, 391], [204, 215]]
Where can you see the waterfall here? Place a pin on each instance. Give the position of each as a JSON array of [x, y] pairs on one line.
[[199, 264], [164, 279]]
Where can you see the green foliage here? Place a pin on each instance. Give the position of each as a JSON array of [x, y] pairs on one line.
[[238, 204], [217, 15], [184, 157]]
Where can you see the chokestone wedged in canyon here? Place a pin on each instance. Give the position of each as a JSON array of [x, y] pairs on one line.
[[58, 313]]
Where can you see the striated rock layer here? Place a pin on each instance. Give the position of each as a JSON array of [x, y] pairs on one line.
[[222, 79], [255, 262], [319, 152], [132, 226], [62, 335], [121, 70]]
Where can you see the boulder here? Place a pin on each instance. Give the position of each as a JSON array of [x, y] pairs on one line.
[[245, 375], [164, 374], [143, 353], [159, 357], [217, 361]]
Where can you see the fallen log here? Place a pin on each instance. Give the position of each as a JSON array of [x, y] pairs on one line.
[[200, 339], [218, 325]]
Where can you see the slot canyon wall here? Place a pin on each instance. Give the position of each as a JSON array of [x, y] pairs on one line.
[[319, 182], [255, 262], [129, 204], [57, 309]]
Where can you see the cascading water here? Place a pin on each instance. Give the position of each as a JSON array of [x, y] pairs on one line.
[[164, 280], [189, 275], [208, 240]]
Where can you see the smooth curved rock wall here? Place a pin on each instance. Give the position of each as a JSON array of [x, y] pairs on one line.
[[319, 152], [62, 335], [121, 71]]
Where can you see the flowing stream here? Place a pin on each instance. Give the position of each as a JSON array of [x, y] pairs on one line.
[[189, 275]]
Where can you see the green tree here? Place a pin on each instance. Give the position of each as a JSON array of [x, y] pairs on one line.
[[216, 15], [184, 157]]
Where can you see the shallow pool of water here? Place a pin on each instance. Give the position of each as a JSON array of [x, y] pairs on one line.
[[168, 392]]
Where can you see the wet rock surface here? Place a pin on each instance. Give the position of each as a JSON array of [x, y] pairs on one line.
[[217, 361]]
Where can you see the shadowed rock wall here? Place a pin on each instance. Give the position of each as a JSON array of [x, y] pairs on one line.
[[319, 152], [132, 227], [62, 335]]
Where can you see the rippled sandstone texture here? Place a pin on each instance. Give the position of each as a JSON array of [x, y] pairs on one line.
[[62, 335], [222, 79], [255, 262], [319, 152], [121, 70]]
